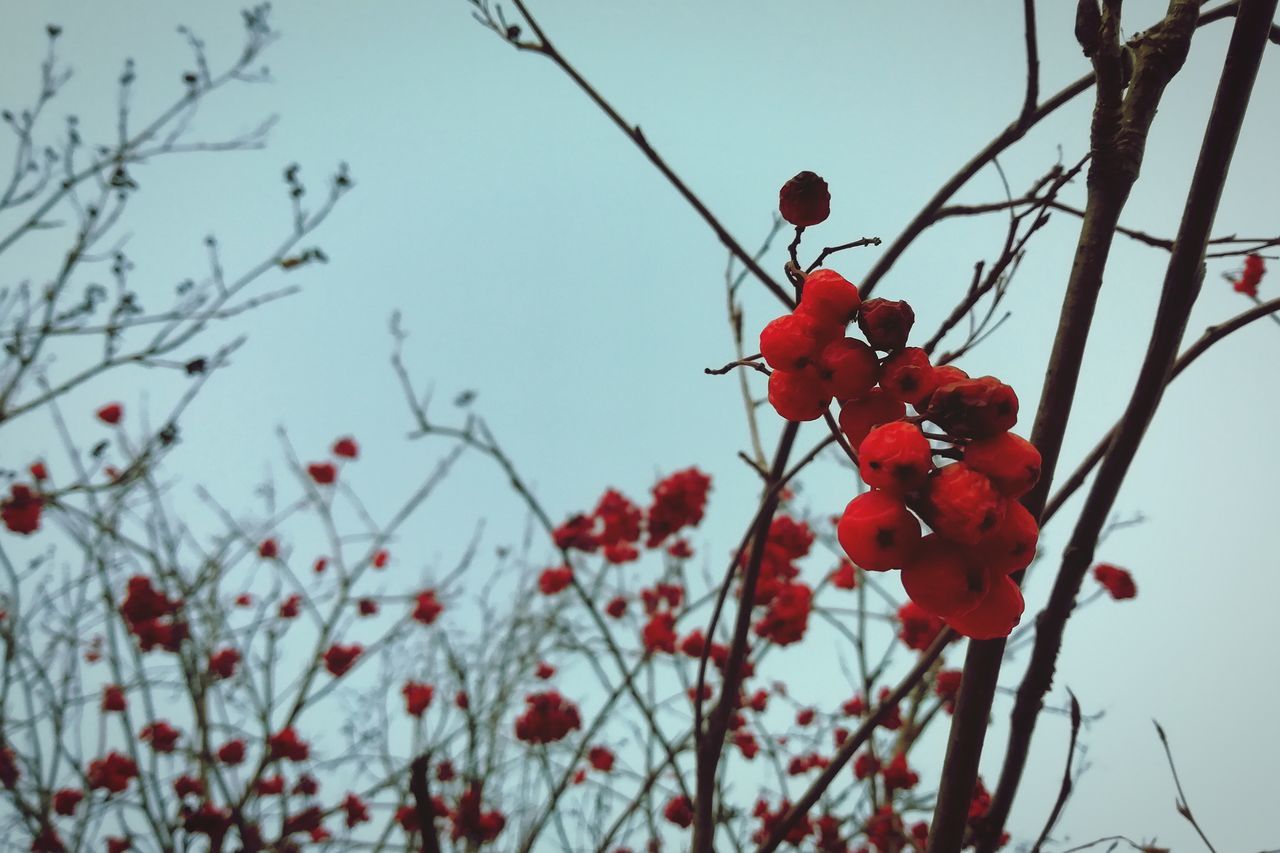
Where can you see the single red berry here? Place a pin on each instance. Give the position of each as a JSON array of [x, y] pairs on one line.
[[895, 457], [962, 504], [110, 413], [1118, 582], [857, 417], [907, 375], [346, 448], [886, 323], [1012, 545], [797, 395], [1012, 462], [974, 408], [944, 375], [996, 615], [323, 473], [829, 298], [849, 369], [941, 578], [793, 341], [877, 531], [805, 200]]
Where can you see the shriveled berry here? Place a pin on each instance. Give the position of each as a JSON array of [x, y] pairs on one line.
[[886, 323], [974, 408], [1012, 545], [797, 395], [1012, 462], [877, 531], [907, 375], [962, 504], [829, 298], [942, 578], [857, 417], [996, 615], [895, 457], [805, 200], [849, 368]]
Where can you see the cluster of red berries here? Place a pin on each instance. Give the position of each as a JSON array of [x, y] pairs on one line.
[[1250, 276], [21, 510], [547, 718], [112, 772], [151, 616], [980, 535]]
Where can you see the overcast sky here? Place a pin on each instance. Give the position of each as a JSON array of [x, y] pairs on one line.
[[540, 260]]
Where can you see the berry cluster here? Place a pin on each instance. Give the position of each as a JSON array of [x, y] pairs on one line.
[[980, 534], [1250, 276], [548, 717]]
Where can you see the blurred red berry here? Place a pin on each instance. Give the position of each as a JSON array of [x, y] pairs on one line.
[[110, 413]]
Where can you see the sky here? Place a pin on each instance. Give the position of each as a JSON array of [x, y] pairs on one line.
[[539, 260]]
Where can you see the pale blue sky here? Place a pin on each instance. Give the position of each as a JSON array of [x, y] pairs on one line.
[[539, 259]]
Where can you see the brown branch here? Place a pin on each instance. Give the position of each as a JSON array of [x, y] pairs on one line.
[[1033, 62], [1121, 119], [855, 740], [420, 787], [1211, 335], [1181, 804], [1182, 281], [545, 47], [712, 741], [1065, 790]]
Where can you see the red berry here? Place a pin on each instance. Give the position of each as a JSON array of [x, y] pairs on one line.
[[895, 457], [805, 200], [907, 375], [1118, 582], [943, 579], [849, 369], [886, 323], [797, 395], [1012, 462], [944, 375], [857, 417], [792, 341], [877, 531], [110, 413], [996, 615], [962, 504], [829, 298], [974, 408], [1012, 545]]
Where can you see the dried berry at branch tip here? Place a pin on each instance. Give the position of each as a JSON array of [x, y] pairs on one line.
[[886, 323], [805, 200]]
